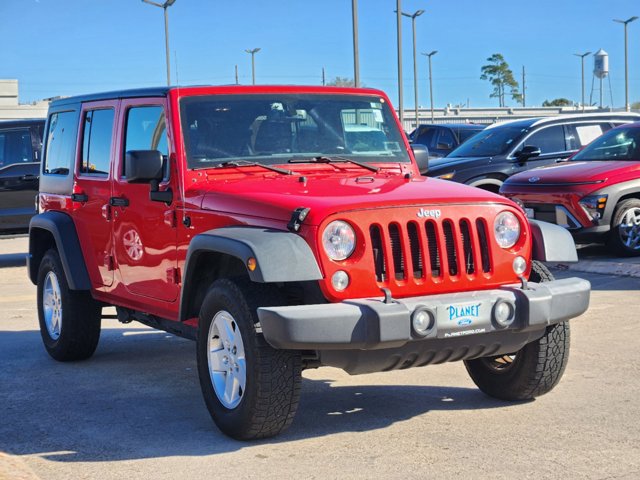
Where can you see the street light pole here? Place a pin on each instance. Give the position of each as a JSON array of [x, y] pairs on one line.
[[356, 53], [582, 55], [429, 55], [253, 52], [415, 63], [399, 29], [626, 63], [165, 6]]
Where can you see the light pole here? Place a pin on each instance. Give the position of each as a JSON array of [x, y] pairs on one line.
[[582, 55], [253, 52], [399, 29], [429, 55], [626, 64], [165, 6], [356, 53], [415, 63]]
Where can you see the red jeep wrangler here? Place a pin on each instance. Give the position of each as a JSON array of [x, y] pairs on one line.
[[286, 228]]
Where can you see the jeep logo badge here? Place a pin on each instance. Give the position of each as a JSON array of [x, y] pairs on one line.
[[422, 213]]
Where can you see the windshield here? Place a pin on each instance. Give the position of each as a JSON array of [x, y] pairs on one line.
[[617, 144], [275, 128], [489, 142]]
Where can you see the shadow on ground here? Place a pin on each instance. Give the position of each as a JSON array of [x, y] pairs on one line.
[[139, 397]]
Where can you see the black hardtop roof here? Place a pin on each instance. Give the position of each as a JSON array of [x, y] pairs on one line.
[[474, 126], [131, 93], [20, 122]]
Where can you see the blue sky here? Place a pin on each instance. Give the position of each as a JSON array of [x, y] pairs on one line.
[[66, 47]]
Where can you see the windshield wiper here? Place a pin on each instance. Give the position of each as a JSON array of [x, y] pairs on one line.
[[244, 163], [323, 159]]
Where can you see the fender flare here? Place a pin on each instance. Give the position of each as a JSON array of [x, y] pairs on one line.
[[63, 230], [474, 182], [552, 243], [280, 256]]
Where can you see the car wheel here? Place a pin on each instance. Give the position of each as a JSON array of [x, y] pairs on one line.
[[69, 320], [624, 238], [531, 371], [251, 389]]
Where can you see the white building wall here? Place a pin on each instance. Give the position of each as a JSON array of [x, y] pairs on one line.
[[11, 109]]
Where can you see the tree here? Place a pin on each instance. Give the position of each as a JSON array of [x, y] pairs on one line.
[[497, 71], [342, 82], [558, 102]]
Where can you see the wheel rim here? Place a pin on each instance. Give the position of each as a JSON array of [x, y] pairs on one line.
[[52, 305], [629, 229], [226, 358], [501, 363]]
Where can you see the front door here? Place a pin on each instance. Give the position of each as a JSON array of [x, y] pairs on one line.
[[144, 231]]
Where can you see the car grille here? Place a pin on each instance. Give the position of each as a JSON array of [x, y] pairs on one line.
[[430, 250]]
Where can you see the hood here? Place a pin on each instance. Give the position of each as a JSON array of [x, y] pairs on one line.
[[575, 173], [276, 197], [452, 162]]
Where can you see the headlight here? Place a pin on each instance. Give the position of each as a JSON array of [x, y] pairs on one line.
[[594, 205], [339, 240], [506, 229]]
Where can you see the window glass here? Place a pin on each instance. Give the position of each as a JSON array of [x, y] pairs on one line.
[[548, 140], [622, 143], [61, 142], [279, 128], [465, 134], [426, 136], [96, 142], [489, 142], [146, 130], [15, 147], [446, 137], [580, 135]]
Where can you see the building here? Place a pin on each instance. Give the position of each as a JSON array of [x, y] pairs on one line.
[[11, 109]]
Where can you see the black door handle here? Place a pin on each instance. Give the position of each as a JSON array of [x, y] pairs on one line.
[[79, 197], [119, 202]]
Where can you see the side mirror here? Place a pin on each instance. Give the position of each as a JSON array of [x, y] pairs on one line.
[[143, 166], [421, 154], [527, 152]]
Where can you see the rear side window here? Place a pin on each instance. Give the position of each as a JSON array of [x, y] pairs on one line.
[[61, 141], [548, 140], [146, 130], [446, 137], [96, 142], [579, 135], [15, 147]]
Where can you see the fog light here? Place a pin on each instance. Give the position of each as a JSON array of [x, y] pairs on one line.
[[519, 265], [340, 280], [422, 321], [504, 313]]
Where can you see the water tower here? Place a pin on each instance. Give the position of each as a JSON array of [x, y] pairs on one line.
[[601, 71]]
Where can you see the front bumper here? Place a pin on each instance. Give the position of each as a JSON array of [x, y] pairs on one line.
[[372, 324]]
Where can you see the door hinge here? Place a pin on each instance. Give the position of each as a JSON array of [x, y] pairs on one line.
[[173, 275], [106, 212], [108, 262]]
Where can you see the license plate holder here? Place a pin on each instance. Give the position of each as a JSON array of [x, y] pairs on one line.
[[458, 319]]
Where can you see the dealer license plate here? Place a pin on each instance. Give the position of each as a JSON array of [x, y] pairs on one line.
[[469, 318]]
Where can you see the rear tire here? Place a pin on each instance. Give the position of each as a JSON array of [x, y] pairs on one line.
[[531, 371], [251, 389], [69, 320], [624, 238]]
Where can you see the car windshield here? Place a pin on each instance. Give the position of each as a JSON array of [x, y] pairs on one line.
[[617, 144], [276, 128], [490, 142]]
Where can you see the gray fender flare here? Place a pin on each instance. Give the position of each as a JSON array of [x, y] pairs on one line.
[[552, 243], [280, 256], [62, 229]]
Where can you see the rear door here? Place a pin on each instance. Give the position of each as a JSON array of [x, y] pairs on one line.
[[144, 231], [18, 178]]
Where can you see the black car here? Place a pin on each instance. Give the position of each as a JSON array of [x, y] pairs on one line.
[[503, 149], [20, 143], [441, 139]]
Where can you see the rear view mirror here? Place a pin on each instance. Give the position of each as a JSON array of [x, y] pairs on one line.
[[527, 152], [143, 166], [421, 154]]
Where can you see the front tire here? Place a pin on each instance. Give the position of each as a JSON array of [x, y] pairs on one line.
[[624, 238], [531, 371], [251, 389], [69, 320]]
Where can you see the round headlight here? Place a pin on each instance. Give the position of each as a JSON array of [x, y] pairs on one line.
[[339, 240], [506, 229]]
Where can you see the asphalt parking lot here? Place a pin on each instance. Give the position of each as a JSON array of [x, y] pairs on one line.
[[135, 409]]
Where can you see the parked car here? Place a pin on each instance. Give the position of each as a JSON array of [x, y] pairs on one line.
[[20, 143], [502, 149], [442, 139], [595, 195], [266, 224]]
